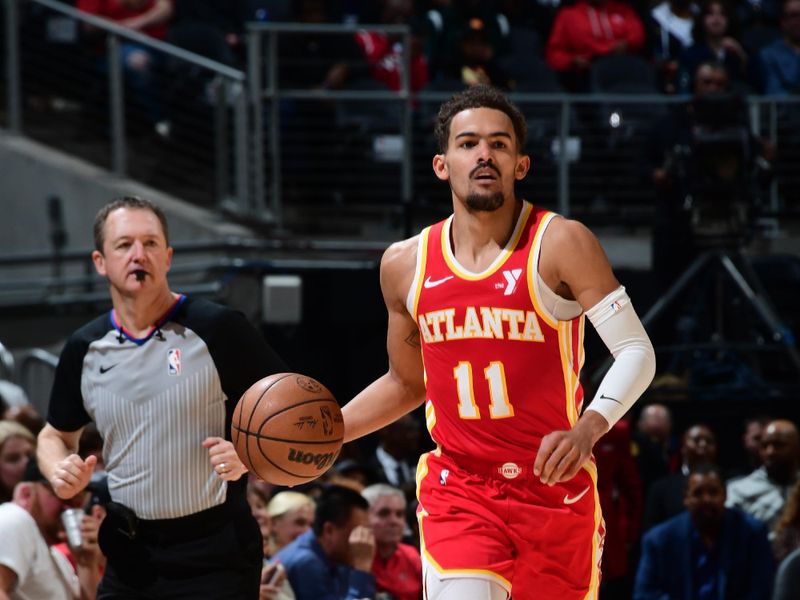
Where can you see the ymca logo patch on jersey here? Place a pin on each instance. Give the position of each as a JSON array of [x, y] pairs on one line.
[[512, 278], [174, 361]]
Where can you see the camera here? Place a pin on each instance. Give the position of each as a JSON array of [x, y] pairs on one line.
[[716, 170]]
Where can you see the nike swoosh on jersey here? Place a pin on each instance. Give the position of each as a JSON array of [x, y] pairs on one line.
[[429, 284], [574, 499], [107, 369]]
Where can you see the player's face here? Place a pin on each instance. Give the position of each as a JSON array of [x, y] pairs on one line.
[[387, 517], [482, 161], [14, 455], [135, 254], [292, 524]]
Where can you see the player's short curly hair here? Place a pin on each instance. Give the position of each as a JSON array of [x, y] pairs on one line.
[[125, 202], [478, 96]]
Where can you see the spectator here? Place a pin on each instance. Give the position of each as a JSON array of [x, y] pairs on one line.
[[477, 62], [146, 16], [312, 60], [780, 60], [385, 53], [672, 22], [586, 30], [751, 445], [786, 537], [333, 560], [673, 243], [394, 460], [665, 499], [258, 506], [29, 525], [213, 28], [450, 24], [714, 39], [350, 473], [291, 515], [655, 446], [763, 493], [397, 566], [274, 585], [620, 491], [707, 551], [17, 445], [26, 415], [149, 17]]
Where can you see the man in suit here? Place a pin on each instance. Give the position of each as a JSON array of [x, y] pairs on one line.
[[706, 552], [666, 496]]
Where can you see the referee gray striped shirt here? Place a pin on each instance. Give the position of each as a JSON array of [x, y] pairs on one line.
[[155, 399]]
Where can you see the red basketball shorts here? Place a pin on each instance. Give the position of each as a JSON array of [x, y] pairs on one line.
[[499, 522]]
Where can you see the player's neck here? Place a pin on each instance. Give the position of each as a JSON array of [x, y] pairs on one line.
[[138, 314], [476, 237]]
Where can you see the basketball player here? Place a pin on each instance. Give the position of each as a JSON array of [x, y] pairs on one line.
[[486, 324], [159, 375]]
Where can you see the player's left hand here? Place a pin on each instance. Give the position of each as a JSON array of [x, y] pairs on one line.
[[562, 453], [224, 459]]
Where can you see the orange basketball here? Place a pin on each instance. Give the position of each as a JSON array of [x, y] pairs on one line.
[[287, 429]]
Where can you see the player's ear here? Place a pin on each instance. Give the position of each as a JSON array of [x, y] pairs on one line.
[[99, 263], [440, 167], [169, 257], [523, 166]]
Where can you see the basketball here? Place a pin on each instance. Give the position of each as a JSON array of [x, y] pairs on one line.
[[287, 429]]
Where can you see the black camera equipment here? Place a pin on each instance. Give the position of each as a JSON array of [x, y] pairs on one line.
[[716, 170]]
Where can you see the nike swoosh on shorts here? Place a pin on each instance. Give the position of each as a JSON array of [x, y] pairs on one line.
[[574, 499]]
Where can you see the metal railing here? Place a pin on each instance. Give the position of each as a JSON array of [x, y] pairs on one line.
[[37, 370], [139, 125], [300, 157]]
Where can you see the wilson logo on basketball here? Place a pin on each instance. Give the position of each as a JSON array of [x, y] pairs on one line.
[[321, 461]]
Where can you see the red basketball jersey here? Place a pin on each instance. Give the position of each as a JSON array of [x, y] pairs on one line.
[[500, 372]]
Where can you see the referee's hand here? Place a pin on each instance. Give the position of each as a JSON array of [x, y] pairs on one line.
[[72, 475]]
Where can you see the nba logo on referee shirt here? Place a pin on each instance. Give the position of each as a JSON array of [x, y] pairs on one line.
[[174, 361]]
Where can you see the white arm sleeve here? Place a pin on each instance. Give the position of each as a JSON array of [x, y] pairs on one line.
[[634, 358]]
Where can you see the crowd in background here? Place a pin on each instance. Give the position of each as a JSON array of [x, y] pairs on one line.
[[502, 42], [353, 533]]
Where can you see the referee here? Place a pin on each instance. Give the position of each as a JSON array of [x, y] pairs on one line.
[[159, 375]]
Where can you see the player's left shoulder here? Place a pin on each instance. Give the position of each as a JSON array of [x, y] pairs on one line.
[[570, 240]]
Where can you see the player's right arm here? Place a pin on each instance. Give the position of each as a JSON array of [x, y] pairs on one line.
[[402, 388], [57, 453]]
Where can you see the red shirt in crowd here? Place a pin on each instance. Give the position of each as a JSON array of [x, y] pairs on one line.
[[589, 30], [119, 10], [400, 574], [385, 59]]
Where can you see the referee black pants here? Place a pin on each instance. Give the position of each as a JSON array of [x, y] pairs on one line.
[[212, 555]]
